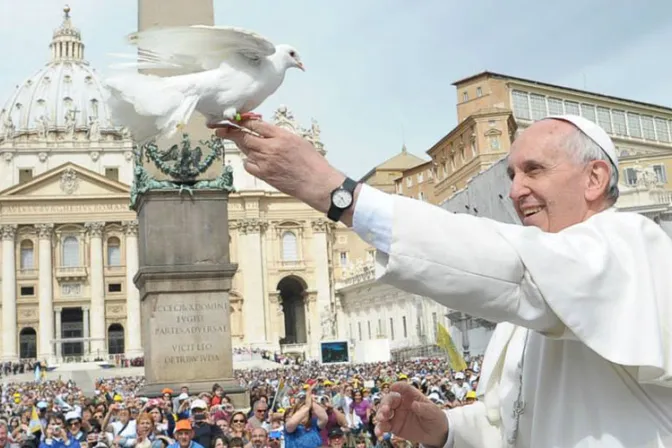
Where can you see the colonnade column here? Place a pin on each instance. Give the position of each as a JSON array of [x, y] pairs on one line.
[[9, 293], [323, 318], [97, 289], [59, 332], [87, 334], [46, 293], [254, 307], [134, 348]]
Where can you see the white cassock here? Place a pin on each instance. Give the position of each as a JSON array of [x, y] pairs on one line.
[[584, 338]]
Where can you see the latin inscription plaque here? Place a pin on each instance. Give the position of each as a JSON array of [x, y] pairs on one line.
[[191, 334]]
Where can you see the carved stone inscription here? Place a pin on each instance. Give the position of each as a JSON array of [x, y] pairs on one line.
[[190, 333], [65, 208]]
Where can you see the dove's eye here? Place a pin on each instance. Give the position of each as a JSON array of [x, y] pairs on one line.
[[292, 53]]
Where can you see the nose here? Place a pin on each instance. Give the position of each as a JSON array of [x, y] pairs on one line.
[[519, 188]]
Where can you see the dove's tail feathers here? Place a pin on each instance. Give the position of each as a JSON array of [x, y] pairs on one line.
[[147, 106], [179, 117]]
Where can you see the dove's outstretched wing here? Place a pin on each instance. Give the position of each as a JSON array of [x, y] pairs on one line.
[[191, 49]]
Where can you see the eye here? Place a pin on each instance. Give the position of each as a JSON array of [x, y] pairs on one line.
[[292, 53]]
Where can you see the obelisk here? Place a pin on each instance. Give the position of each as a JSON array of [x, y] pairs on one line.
[[185, 273]]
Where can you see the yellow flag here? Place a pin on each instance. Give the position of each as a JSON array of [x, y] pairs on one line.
[[444, 341], [35, 424]]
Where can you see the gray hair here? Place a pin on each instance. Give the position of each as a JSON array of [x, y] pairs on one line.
[[585, 150]]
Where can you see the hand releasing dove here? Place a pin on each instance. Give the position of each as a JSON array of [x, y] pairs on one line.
[[225, 74]]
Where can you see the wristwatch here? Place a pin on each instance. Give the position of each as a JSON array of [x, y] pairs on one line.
[[341, 199]]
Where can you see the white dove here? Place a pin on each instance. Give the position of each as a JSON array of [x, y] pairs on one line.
[[225, 73]]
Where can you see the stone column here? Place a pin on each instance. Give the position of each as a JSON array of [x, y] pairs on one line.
[[323, 317], [59, 332], [46, 292], [254, 309], [86, 332], [9, 293], [134, 348], [97, 289]]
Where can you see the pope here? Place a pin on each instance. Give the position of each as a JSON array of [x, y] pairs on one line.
[[582, 294]]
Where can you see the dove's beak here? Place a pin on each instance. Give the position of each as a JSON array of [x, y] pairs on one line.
[[300, 66]]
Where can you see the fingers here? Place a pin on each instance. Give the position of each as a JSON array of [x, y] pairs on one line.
[[387, 407]]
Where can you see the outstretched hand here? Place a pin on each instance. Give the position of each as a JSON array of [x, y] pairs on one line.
[[285, 161], [408, 414]]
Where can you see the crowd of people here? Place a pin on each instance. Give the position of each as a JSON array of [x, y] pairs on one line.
[[306, 405]]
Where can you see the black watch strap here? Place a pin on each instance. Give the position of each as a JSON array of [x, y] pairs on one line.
[[335, 212]]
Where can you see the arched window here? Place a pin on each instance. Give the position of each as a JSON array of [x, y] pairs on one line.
[[27, 255], [70, 252], [28, 343], [113, 251], [115, 339], [289, 250]]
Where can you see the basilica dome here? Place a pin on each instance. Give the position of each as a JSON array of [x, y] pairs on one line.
[[65, 96]]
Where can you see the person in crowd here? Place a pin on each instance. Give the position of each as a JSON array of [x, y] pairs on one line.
[[184, 435], [564, 288], [304, 421]]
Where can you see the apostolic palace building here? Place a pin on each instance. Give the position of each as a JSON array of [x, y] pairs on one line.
[[69, 238]]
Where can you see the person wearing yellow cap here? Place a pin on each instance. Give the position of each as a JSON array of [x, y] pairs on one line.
[[581, 294]]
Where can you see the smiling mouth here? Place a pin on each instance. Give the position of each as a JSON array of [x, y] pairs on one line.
[[531, 211]]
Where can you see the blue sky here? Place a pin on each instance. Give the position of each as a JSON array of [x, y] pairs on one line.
[[379, 72]]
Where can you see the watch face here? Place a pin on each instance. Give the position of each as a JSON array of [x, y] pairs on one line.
[[342, 198]]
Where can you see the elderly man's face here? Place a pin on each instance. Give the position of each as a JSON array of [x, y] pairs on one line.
[[551, 190]]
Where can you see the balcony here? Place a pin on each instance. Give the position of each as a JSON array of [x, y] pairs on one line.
[[115, 271], [71, 273], [27, 274]]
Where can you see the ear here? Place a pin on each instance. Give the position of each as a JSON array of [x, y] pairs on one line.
[[597, 183]]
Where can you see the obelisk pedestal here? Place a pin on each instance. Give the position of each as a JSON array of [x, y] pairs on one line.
[[184, 278]]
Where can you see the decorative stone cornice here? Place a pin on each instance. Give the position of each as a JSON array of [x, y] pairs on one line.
[[44, 231], [131, 227], [8, 231], [95, 229], [358, 272], [321, 225], [252, 225]]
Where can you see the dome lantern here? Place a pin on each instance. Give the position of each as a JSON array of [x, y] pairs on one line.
[[66, 44]]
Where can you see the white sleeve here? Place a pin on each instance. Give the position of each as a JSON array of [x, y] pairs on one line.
[[373, 217], [450, 440]]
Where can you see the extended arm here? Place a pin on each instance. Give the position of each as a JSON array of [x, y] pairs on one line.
[[459, 260]]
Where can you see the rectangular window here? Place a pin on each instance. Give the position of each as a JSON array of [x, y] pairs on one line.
[[662, 132], [618, 119], [344, 259], [479, 92], [27, 290], [588, 112], [648, 129], [521, 105], [465, 97], [435, 324], [630, 176], [538, 106], [112, 173], [555, 106], [359, 329], [114, 287], [368, 324], [634, 126], [572, 108], [420, 177], [392, 328], [403, 321], [660, 173], [25, 175], [604, 119]]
